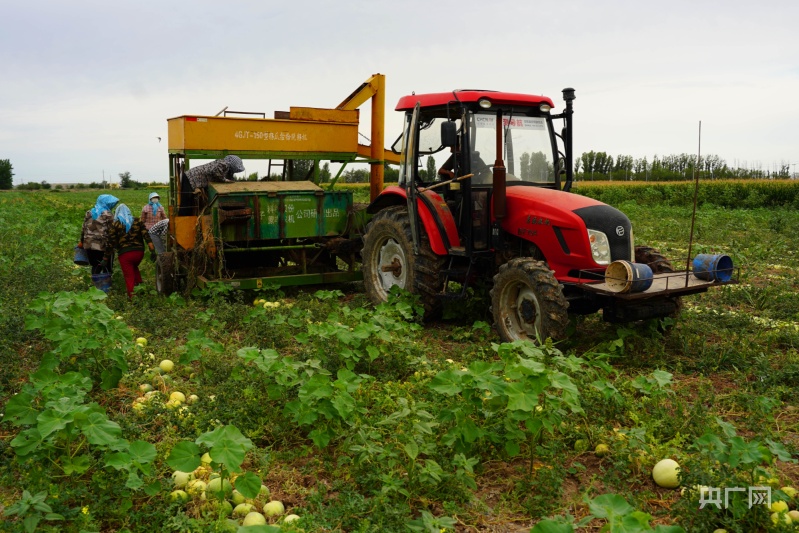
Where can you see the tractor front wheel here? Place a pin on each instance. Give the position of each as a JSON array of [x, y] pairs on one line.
[[659, 265], [388, 261], [653, 258], [528, 302]]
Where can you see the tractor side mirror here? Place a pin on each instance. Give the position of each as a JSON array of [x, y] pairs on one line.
[[449, 134]]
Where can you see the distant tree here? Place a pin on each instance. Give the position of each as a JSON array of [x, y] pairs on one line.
[[525, 173], [125, 180], [539, 167], [432, 170], [301, 170], [324, 173], [6, 174], [356, 176], [390, 174], [253, 177]]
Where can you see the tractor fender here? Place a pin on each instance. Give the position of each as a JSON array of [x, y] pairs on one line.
[[436, 217]]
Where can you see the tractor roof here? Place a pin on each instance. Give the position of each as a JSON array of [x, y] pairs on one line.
[[471, 96]]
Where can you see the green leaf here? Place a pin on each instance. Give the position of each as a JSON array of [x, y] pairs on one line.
[[50, 421], [99, 430], [134, 481], [412, 449], [228, 446], [27, 442], [512, 448], [520, 397], [344, 404], [779, 450], [153, 488], [185, 456], [142, 452], [76, 465], [248, 484], [609, 506], [20, 410], [559, 380], [606, 389], [372, 352], [529, 367], [470, 431], [447, 382], [315, 388], [321, 436], [118, 461], [742, 452], [30, 522], [662, 377]]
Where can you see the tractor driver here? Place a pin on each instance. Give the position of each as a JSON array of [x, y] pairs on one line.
[[454, 162]]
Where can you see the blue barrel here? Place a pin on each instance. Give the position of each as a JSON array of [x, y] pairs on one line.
[[102, 281], [710, 267], [624, 276], [81, 257]]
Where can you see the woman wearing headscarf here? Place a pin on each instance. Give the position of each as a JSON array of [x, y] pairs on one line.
[[127, 236], [219, 171], [94, 233], [152, 212]]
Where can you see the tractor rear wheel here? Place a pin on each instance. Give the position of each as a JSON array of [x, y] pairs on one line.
[[527, 302], [388, 261], [165, 273]]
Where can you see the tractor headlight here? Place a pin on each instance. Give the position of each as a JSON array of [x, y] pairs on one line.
[[600, 247]]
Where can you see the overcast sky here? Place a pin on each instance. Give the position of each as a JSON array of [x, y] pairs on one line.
[[86, 86]]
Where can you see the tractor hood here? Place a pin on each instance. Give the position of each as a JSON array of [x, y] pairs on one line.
[[557, 222]]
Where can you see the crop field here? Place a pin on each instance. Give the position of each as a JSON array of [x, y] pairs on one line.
[[359, 418]]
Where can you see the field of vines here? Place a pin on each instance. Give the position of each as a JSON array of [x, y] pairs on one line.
[[358, 418]]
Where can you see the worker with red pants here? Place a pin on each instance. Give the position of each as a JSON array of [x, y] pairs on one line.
[[127, 235]]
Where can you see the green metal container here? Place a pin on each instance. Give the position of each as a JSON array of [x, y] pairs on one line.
[[252, 211]]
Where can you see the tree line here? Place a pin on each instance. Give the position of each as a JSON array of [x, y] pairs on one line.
[[590, 166], [601, 166]]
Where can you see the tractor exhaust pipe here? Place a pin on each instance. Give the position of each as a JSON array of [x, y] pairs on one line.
[[568, 97], [499, 175]]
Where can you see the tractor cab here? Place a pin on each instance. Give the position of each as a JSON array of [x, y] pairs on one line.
[[467, 147]]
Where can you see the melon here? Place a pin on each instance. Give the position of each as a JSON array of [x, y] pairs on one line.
[[178, 496], [666, 474], [180, 478], [274, 508], [166, 365], [242, 509], [253, 519]]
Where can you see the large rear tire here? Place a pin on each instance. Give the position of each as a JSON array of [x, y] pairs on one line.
[[165, 273], [388, 261], [528, 303]]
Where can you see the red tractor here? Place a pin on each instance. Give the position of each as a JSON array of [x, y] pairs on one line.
[[483, 194]]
